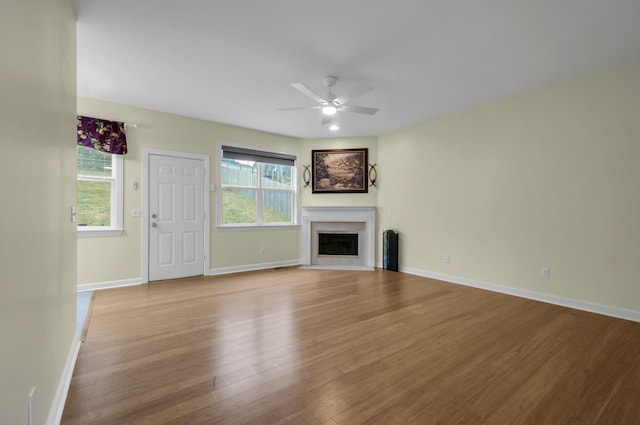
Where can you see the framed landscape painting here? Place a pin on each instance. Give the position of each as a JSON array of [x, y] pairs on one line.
[[339, 170]]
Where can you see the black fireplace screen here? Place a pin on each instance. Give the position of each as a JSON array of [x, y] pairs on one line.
[[338, 244]]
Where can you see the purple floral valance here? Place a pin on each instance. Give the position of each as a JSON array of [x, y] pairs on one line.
[[105, 136]]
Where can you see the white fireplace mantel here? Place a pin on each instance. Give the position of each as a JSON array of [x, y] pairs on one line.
[[366, 215]]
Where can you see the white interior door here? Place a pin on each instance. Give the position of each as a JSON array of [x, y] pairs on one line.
[[176, 217]]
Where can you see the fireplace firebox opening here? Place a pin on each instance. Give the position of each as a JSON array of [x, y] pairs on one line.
[[338, 244]]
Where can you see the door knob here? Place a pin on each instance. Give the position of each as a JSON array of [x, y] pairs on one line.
[[154, 215], [154, 224]]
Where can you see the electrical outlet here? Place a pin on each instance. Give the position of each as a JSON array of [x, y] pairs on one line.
[[446, 259], [544, 273], [261, 250]]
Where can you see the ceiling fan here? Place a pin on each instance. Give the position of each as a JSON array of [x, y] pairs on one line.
[[332, 104]]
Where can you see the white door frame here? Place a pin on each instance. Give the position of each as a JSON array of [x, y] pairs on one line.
[[146, 154]]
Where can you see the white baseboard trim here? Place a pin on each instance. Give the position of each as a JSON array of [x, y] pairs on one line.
[[253, 267], [110, 284], [606, 310], [60, 397]]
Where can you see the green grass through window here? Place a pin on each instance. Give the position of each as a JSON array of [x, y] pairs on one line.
[[240, 209], [94, 203]]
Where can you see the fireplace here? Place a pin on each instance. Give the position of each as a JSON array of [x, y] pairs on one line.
[[338, 237]]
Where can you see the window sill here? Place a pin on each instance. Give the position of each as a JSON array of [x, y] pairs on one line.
[[99, 233], [250, 228]]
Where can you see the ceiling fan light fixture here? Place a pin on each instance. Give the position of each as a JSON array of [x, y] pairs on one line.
[[334, 127], [330, 105], [329, 110]]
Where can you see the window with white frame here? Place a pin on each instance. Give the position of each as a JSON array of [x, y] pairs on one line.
[[257, 188], [99, 193]]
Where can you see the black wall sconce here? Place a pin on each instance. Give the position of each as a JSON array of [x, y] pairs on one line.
[[373, 174], [306, 175]]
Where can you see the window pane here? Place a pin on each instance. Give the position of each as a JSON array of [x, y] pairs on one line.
[[252, 179], [239, 173], [94, 203], [277, 206], [276, 176], [94, 163], [239, 206]]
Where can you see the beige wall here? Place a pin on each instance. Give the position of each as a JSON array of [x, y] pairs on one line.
[[171, 132], [37, 171], [548, 178]]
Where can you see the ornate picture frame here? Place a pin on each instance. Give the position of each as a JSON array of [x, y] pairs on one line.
[[339, 170]]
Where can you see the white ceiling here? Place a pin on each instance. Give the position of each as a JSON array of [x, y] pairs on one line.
[[232, 61]]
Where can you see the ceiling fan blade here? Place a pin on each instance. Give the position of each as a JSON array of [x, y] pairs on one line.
[[297, 108], [358, 91], [307, 91], [359, 109], [326, 119]]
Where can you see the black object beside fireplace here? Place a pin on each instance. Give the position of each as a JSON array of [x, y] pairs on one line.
[[390, 250]]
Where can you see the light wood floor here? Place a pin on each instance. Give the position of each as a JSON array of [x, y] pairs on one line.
[[295, 346]]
